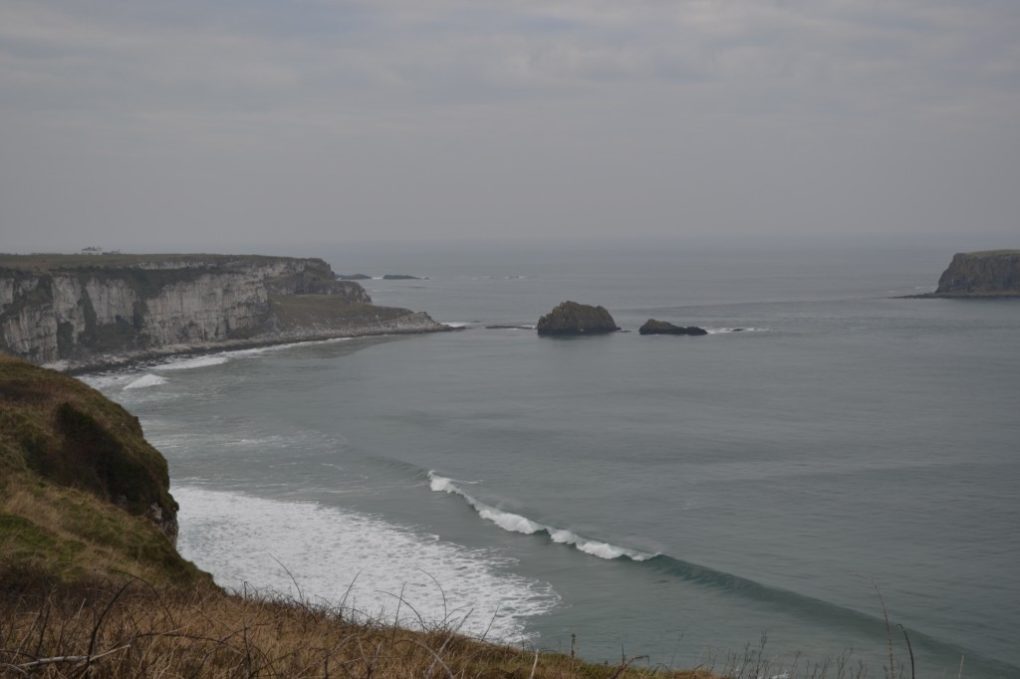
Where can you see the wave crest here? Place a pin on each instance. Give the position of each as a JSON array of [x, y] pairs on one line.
[[517, 523], [148, 380]]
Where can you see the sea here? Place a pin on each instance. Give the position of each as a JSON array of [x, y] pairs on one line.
[[829, 478]]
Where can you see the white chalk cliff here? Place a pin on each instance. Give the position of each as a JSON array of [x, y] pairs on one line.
[[82, 311]]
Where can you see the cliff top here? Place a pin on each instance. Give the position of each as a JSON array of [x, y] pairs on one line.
[[989, 253], [55, 261]]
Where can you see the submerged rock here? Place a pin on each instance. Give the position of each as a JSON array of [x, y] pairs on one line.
[[571, 318], [400, 277], [654, 327]]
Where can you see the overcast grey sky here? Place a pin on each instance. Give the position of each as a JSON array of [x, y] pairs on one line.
[[147, 125]]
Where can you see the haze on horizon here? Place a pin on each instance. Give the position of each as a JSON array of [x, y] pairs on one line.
[[144, 125]]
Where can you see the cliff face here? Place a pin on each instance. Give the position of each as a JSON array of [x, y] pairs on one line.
[[85, 309], [982, 274]]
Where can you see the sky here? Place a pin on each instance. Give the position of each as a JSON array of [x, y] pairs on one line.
[[219, 124]]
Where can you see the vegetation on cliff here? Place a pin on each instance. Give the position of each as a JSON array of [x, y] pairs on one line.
[[82, 493], [90, 310]]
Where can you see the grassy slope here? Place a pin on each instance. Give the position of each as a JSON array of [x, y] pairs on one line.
[[77, 483], [93, 588], [295, 312]]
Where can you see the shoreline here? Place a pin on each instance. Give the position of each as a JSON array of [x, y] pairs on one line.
[[113, 362]]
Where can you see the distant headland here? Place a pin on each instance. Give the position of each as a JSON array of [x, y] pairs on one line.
[[88, 310], [986, 274]]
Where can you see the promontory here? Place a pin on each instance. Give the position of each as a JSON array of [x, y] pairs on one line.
[[992, 273], [81, 311]]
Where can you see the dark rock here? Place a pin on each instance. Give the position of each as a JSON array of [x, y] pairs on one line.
[[354, 277], [654, 327], [399, 277], [994, 273], [571, 318]]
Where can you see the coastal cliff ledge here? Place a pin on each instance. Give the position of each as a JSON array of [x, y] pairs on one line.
[[81, 311], [992, 273]]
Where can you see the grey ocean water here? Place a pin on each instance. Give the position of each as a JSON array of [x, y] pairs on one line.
[[669, 496]]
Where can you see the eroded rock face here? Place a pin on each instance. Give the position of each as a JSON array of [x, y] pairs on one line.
[[655, 327], [571, 318], [69, 309], [982, 274]]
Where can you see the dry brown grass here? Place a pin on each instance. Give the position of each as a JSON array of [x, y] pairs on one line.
[[139, 632]]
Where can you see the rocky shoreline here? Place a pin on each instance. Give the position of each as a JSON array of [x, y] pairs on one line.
[[119, 361]]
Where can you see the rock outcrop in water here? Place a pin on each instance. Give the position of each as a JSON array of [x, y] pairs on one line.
[[571, 318], [654, 327], [88, 310], [995, 273]]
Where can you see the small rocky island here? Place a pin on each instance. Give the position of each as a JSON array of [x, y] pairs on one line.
[[655, 327], [571, 318], [992, 273]]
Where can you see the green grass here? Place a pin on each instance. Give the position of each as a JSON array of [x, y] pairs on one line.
[[326, 311], [79, 484]]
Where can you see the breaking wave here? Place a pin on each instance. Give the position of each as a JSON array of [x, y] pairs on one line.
[[192, 363], [375, 569], [516, 523], [148, 380], [726, 331], [728, 583]]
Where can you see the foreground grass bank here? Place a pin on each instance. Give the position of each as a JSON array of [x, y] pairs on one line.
[[105, 631]]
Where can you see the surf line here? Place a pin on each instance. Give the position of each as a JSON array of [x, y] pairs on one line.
[[516, 523]]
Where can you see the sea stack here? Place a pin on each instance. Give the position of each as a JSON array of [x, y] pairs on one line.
[[993, 273], [654, 327], [571, 318]]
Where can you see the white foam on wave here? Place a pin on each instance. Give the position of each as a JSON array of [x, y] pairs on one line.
[[516, 523], [726, 331], [243, 540], [258, 351], [456, 324], [107, 381], [147, 380], [192, 363], [221, 357]]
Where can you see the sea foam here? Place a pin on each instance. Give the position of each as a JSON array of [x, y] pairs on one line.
[[192, 363], [516, 523], [252, 542], [148, 380]]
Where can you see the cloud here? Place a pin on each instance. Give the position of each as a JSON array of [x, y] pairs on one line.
[[563, 112]]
